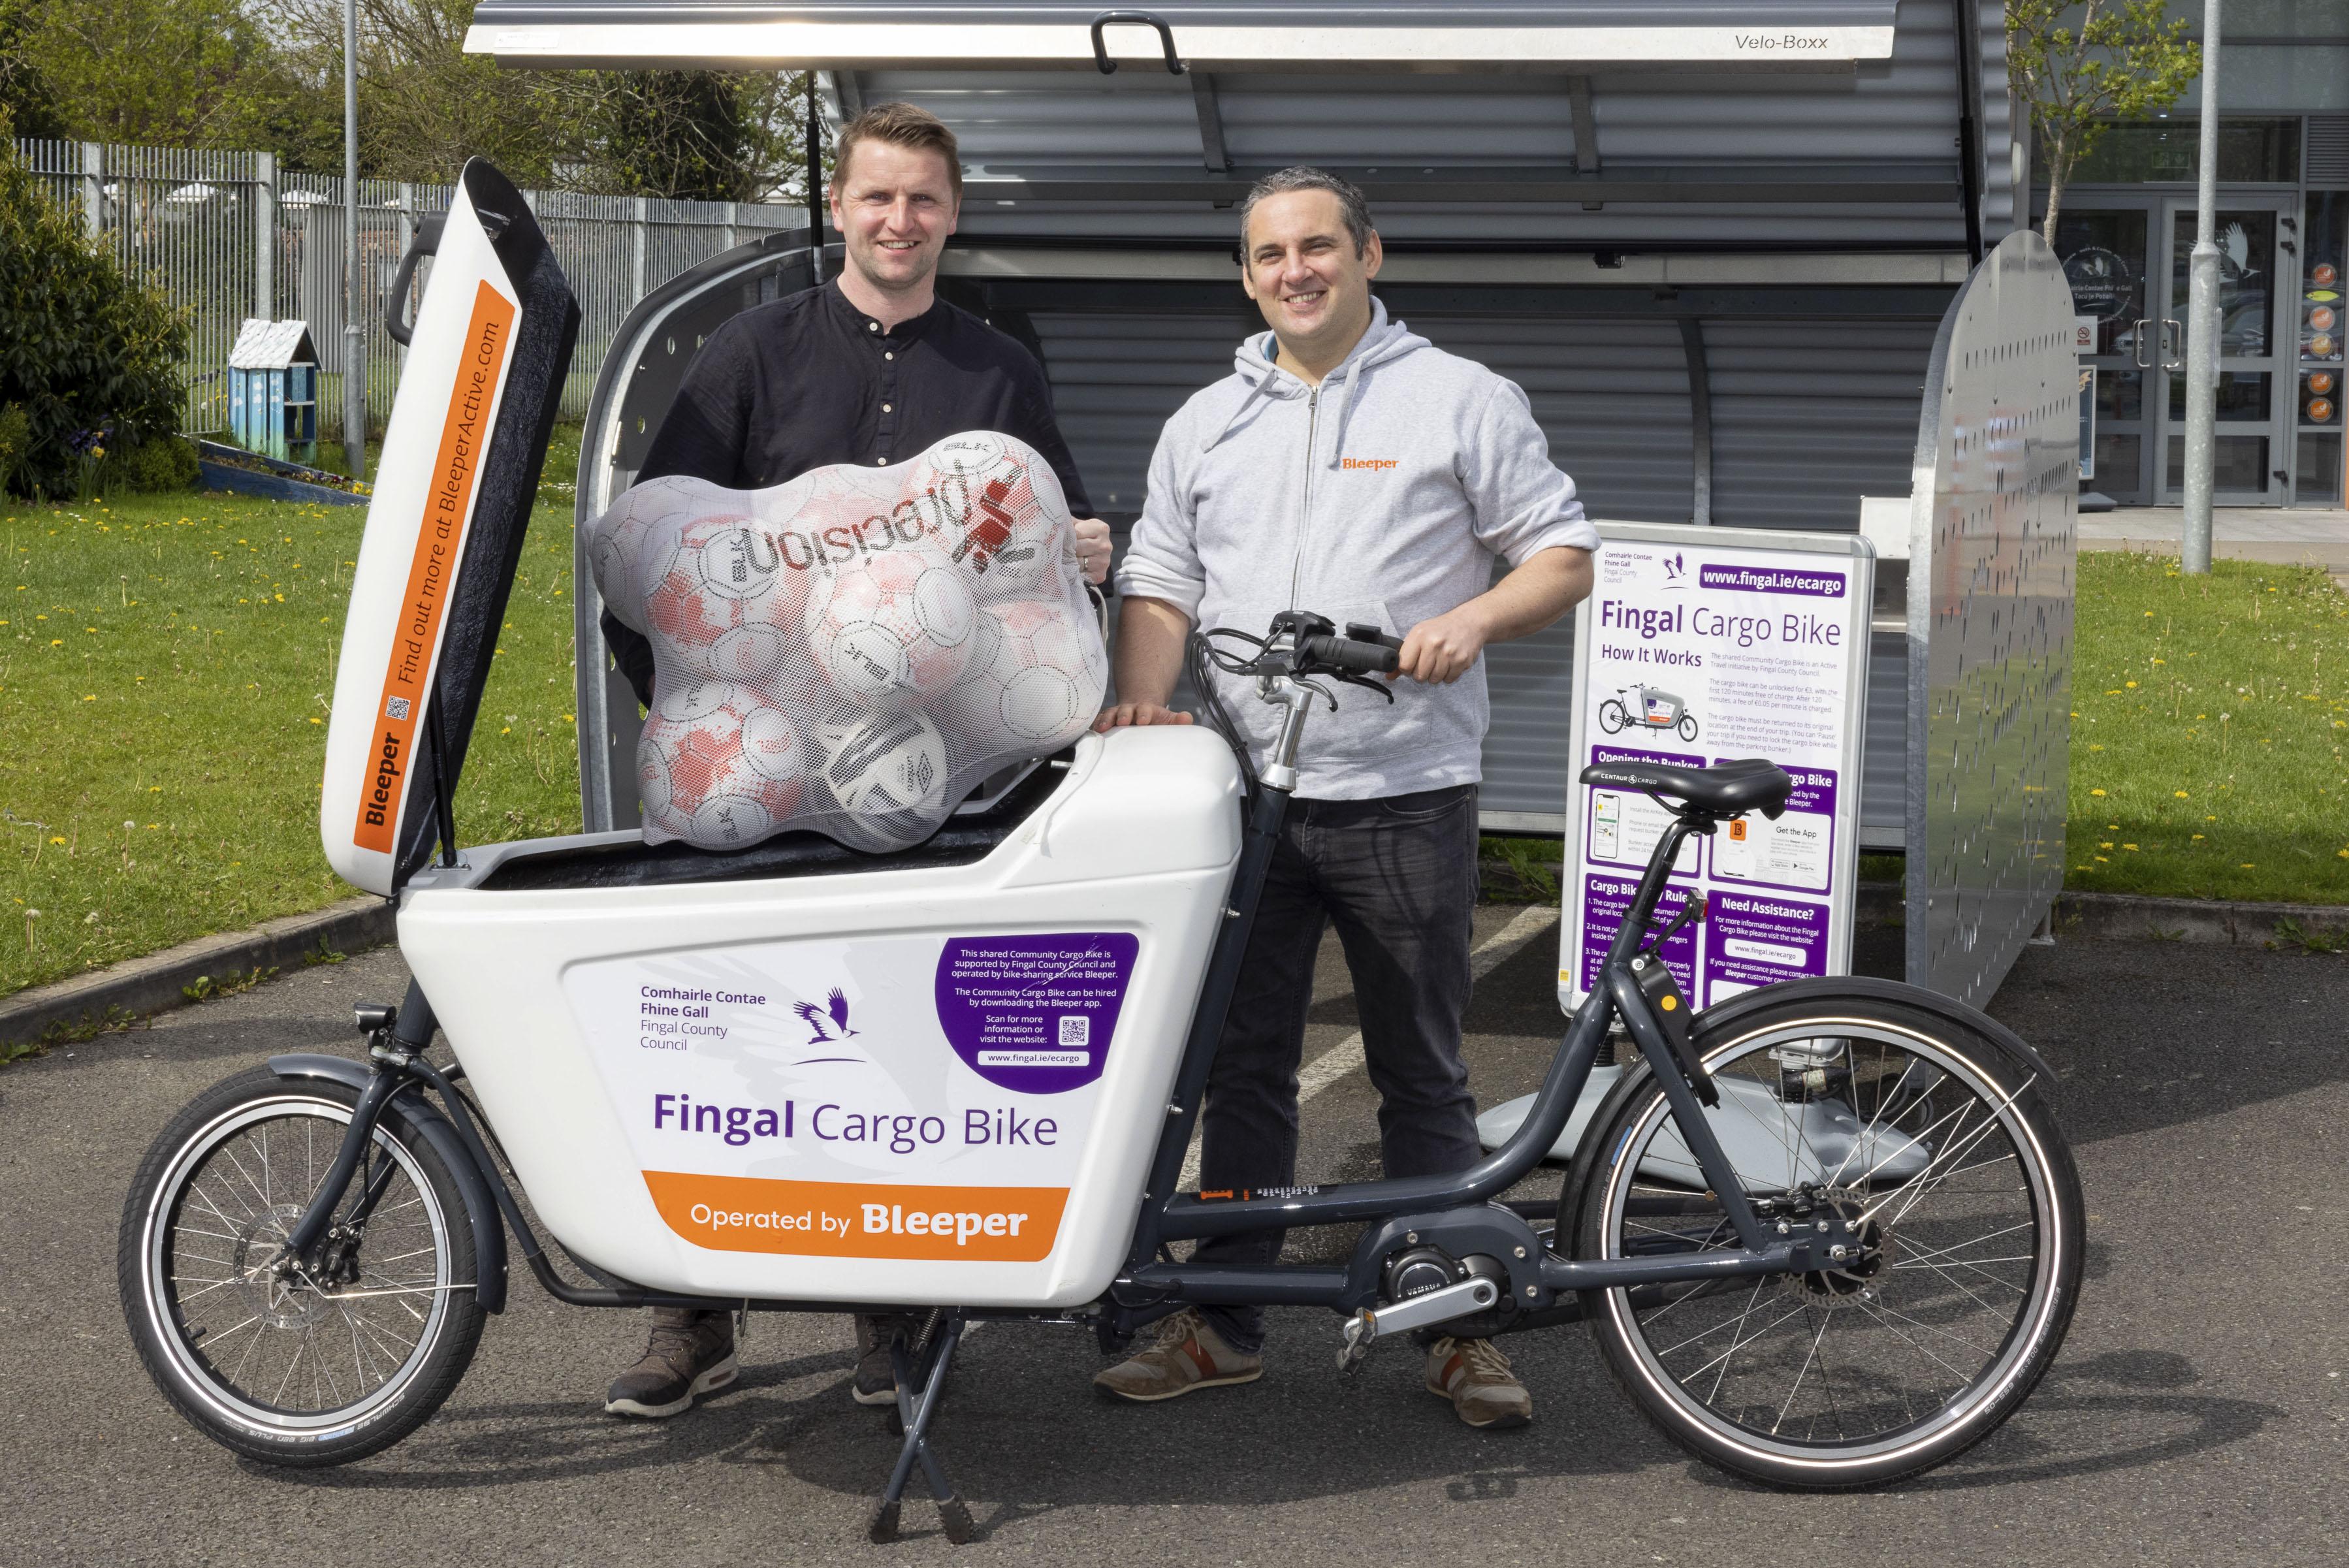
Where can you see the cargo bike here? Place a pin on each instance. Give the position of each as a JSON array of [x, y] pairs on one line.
[[960, 1078]]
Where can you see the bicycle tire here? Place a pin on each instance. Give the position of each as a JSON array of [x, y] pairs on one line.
[[1664, 1369], [1614, 716], [195, 1194]]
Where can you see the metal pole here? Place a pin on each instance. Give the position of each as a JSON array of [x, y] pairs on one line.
[[354, 301], [265, 238], [813, 147], [2202, 316]]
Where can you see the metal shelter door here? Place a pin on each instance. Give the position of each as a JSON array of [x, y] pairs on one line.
[[2250, 464]]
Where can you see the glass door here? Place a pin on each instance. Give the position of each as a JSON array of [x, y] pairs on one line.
[[2250, 466], [2104, 252]]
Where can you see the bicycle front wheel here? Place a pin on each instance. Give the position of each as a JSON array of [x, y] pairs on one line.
[[291, 1365], [1929, 1137]]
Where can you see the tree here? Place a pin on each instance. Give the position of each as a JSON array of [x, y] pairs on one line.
[[702, 136], [26, 95], [168, 73], [2122, 61]]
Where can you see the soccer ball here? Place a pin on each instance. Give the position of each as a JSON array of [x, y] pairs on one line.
[[719, 766], [622, 534], [717, 600], [888, 772], [1004, 519], [892, 630], [1037, 675]]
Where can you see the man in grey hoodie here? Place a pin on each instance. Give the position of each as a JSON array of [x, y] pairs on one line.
[[1350, 468]]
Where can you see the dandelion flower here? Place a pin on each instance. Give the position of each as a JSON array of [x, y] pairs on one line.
[[2180, 795], [2097, 793]]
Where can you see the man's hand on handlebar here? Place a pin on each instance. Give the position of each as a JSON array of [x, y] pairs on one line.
[[1441, 651], [1129, 713]]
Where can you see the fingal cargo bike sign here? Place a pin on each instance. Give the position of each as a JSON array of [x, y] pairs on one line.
[[911, 1097], [1699, 646]]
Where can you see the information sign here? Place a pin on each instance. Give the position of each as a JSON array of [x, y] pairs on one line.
[[1698, 646]]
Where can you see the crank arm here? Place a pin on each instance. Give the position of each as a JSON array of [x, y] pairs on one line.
[[1413, 1311]]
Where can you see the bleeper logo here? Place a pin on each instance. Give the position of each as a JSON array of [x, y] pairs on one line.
[[860, 1219]]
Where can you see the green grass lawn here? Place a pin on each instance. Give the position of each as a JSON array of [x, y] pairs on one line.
[[167, 661], [2210, 717]]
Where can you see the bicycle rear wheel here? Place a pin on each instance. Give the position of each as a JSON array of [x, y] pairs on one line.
[[294, 1366], [1934, 1139]]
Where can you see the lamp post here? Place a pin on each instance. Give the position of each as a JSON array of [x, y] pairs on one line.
[[2202, 316], [353, 299]]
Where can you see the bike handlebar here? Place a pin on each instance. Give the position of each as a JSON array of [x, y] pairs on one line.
[[1348, 653]]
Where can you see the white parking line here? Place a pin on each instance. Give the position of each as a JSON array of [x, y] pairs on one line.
[[1346, 1056]]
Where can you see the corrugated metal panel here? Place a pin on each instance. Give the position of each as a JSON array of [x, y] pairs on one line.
[[2328, 152], [1884, 753], [1901, 111], [1809, 416]]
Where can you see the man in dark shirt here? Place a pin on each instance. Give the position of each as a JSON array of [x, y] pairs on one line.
[[869, 369]]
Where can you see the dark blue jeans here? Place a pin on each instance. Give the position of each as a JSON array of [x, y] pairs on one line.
[[1398, 879]]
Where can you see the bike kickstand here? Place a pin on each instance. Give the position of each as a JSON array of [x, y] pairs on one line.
[[914, 1408]]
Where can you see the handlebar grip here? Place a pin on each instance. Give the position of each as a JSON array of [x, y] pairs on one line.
[[1345, 653]]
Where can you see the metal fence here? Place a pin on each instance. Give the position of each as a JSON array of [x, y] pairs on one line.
[[227, 236]]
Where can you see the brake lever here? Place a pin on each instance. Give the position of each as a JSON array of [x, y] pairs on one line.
[[1365, 682], [1313, 683]]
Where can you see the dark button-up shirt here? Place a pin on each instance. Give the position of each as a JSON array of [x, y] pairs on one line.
[[811, 381]]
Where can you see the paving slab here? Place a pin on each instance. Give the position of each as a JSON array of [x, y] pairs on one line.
[[2198, 1414]]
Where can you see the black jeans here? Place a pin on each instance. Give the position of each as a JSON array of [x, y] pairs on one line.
[[1398, 877]]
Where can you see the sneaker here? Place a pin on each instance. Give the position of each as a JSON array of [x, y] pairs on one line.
[[1476, 1378], [1187, 1355], [876, 1374], [690, 1351]]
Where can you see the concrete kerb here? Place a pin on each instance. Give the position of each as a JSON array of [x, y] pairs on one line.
[[2110, 916], [2128, 917], [138, 987]]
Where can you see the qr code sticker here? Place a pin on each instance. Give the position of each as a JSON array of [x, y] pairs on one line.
[[395, 708], [1076, 1029]]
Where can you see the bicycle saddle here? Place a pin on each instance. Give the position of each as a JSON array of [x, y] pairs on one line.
[[1724, 789]]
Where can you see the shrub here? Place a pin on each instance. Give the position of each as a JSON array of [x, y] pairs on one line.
[[84, 349], [158, 463], [16, 434]]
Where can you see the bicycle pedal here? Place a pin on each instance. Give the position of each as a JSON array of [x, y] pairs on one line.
[[1360, 1337]]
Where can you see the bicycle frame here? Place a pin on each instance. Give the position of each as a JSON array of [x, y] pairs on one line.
[[1455, 1210]]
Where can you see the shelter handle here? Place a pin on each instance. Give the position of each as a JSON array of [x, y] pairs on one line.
[[1174, 65], [394, 305]]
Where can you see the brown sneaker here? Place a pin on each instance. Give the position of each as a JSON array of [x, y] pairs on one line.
[[1476, 1378], [875, 1381], [690, 1353], [1187, 1355]]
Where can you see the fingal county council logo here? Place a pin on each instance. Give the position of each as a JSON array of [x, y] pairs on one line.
[[837, 1006]]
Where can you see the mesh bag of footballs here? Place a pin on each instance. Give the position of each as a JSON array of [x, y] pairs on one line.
[[853, 652]]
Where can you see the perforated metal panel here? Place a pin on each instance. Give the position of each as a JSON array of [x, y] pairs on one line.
[[1993, 538]]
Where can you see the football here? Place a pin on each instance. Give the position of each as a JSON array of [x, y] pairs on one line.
[[621, 536], [715, 600], [719, 766], [888, 773], [893, 629], [1003, 519], [1037, 675]]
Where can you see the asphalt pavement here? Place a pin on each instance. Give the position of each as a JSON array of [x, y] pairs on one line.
[[2196, 1415]]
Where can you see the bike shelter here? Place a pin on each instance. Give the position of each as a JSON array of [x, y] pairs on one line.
[[1720, 247], [1645, 214]]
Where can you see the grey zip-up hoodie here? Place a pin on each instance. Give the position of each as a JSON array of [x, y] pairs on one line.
[[1382, 496]]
